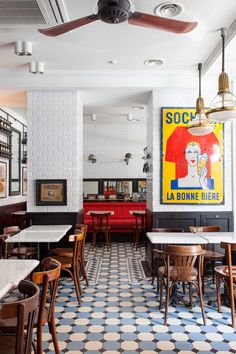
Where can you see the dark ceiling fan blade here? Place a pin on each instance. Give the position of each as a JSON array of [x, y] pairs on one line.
[[161, 23], [68, 26]]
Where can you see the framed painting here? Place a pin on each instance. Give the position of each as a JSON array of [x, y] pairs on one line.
[[3, 179], [24, 181], [51, 192], [192, 167]]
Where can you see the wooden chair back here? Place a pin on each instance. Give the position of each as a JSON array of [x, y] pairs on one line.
[[183, 258], [48, 280], [215, 228], [140, 221], [195, 229], [24, 310], [100, 221], [84, 229], [11, 230]]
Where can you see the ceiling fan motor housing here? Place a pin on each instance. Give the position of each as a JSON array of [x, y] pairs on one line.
[[114, 11]]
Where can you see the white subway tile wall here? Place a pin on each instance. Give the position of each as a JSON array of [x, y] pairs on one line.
[[55, 145]]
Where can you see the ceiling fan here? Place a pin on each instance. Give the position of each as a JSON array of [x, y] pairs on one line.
[[118, 11]]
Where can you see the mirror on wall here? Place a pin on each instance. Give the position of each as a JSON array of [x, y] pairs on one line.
[[15, 163]]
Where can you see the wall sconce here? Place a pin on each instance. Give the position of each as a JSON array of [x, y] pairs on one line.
[[93, 117], [36, 67], [92, 158], [23, 48], [128, 156]]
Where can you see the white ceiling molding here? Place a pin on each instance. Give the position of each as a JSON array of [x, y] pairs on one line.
[[216, 52]]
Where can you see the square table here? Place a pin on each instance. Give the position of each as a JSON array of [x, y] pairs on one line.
[[178, 238], [12, 271], [64, 228], [40, 234], [218, 237]]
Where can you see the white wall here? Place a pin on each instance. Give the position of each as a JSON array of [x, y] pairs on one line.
[[180, 98], [109, 143], [17, 198], [55, 145]]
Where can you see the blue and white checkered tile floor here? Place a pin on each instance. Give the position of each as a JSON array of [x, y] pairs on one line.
[[119, 313]]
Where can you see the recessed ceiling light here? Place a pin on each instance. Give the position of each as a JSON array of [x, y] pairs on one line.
[[168, 9], [112, 62], [154, 62]]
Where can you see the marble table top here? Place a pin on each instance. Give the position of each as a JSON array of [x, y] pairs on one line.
[[36, 236], [12, 271], [218, 237], [178, 238], [64, 228]]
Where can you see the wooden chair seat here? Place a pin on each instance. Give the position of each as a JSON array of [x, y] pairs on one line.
[[223, 271], [66, 262], [174, 275], [213, 255], [26, 252], [63, 252]]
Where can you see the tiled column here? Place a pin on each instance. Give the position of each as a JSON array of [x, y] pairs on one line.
[[55, 145]]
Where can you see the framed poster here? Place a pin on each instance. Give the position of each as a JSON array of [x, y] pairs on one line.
[[3, 179], [192, 169], [51, 192], [24, 181]]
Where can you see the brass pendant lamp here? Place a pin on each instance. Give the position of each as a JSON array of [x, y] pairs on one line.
[[223, 106], [200, 125]]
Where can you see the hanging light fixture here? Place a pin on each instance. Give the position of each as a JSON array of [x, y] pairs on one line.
[[223, 106], [200, 125]]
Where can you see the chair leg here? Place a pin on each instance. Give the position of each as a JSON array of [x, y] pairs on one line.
[[107, 239], [183, 287], [203, 278], [218, 292], [161, 289], [94, 240], [83, 271], [39, 340], [77, 290], [213, 273], [190, 295], [199, 290], [232, 306], [167, 302], [52, 330]]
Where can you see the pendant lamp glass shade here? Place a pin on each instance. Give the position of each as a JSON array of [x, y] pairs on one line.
[[223, 106], [200, 125]]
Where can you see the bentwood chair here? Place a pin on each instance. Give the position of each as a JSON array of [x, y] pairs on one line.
[[101, 226], [179, 266], [227, 274], [211, 255], [157, 259], [19, 252], [21, 312], [47, 279], [139, 227], [68, 252], [71, 264]]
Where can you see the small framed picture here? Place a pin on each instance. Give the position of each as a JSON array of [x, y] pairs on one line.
[[24, 181], [3, 179], [51, 192]]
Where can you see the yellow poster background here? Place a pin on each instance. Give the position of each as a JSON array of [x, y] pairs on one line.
[[180, 117]]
